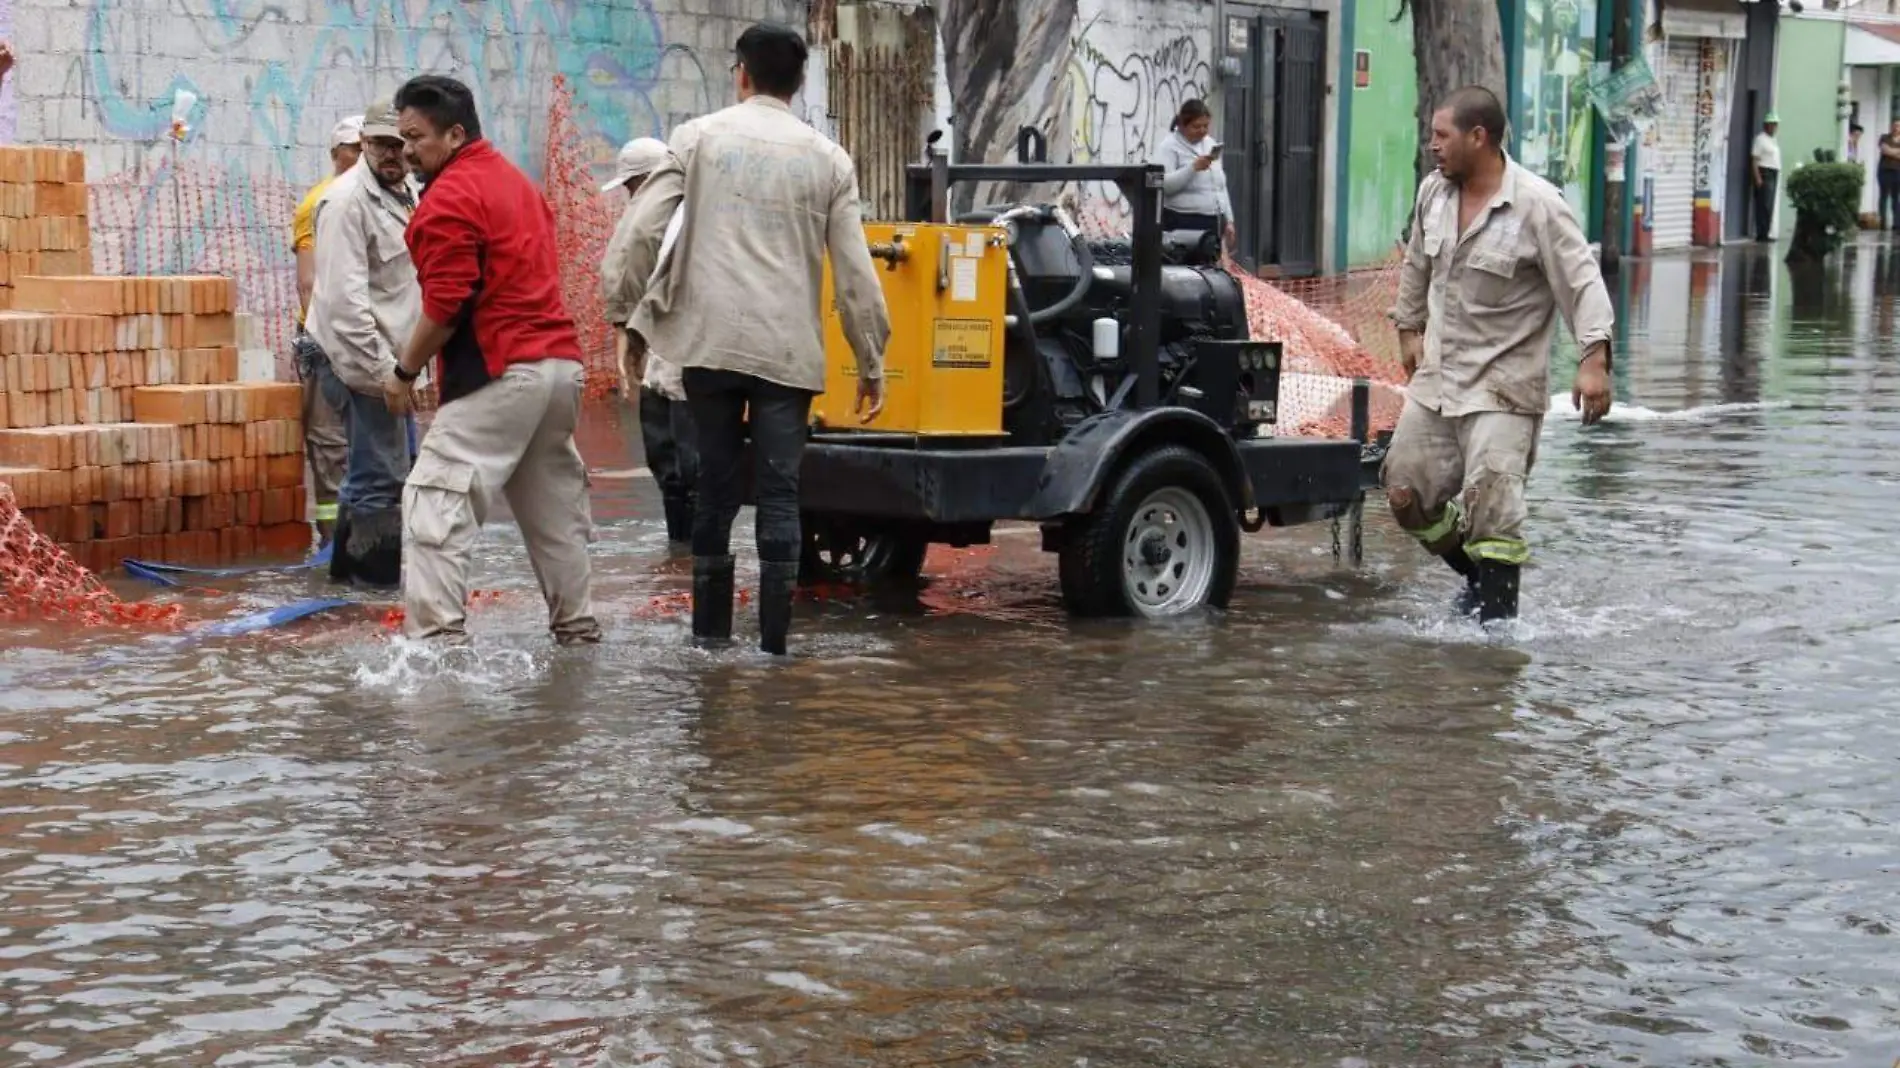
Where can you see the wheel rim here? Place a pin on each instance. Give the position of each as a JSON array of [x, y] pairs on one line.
[[1168, 553], [854, 557]]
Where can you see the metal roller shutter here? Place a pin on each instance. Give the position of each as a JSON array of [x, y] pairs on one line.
[[1670, 162]]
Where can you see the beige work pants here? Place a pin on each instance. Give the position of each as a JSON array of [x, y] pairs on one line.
[[515, 437], [1457, 481], [326, 445]]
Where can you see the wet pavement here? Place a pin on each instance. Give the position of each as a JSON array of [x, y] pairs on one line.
[[1654, 824]]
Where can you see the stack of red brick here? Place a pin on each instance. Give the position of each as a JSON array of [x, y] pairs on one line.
[[43, 228], [127, 434]]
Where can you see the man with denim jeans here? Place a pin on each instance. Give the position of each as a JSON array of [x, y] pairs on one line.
[[735, 303], [363, 307]]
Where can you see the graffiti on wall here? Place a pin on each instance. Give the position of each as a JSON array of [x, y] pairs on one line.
[[627, 79], [269, 89], [1123, 104]]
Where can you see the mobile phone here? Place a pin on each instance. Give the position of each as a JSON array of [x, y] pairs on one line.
[[1214, 153]]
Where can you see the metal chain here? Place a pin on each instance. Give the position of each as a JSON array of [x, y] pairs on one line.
[[1358, 540]]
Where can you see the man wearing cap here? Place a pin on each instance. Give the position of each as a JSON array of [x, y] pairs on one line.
[[666, 423], [323, 433], [1764, 160], [363, 307]]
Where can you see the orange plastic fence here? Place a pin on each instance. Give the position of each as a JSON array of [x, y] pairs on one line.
[[39, 580]]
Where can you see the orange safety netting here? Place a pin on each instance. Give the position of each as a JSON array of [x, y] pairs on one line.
[[1334, 330], [39, 580], [584, 219]]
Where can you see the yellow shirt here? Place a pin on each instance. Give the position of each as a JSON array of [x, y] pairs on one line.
[[303, 222]]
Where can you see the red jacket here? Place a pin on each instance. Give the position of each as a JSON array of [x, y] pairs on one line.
[[482, 240]]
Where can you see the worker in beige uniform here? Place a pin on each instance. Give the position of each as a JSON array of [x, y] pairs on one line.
[[1494, 254], [363, 306], [737, 305], [666, 424]]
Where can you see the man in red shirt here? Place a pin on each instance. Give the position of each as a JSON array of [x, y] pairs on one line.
[[509, 372]]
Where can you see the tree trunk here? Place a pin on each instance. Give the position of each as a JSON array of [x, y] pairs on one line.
[[1458, 43], [1006, 65]]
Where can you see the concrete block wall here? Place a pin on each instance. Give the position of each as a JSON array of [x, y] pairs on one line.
[[1130, 67], [272, 79]]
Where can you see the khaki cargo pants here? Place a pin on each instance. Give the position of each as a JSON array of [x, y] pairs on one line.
[[1459, 480], [513, 437], [325, 435]]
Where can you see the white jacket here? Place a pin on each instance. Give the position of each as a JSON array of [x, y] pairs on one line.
[[365, 300], [1187, 190]]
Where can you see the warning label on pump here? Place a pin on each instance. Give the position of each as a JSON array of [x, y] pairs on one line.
[[961, 343]]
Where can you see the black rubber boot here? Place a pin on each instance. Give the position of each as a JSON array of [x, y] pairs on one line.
[[679, 519], [1497, 591], [1467, 601], [778, 582], [712, 600], [339, 547], [374, 548]]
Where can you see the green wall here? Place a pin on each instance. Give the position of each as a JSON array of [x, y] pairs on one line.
[[1808, 71], [1384, 141]]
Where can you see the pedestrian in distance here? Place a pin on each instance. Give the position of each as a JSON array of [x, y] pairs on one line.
[[736, 304], [363, 308], [666, 422], [508, 374], [1764, 164], [1494, 255]]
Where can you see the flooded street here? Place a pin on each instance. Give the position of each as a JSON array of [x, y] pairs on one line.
[[1655, 825]]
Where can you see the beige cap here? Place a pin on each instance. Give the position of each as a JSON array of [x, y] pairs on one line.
[[380, 120], [637, 157], [347, 132]]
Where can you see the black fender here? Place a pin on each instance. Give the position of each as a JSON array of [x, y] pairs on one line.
[[1097, 448]]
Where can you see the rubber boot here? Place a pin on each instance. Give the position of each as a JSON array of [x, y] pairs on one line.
[[374, 548], [712, 600], [679, 519], [1497, 591], [778, 582], [339, 546], [1467, 601]]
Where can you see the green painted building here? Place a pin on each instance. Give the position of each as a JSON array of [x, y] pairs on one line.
[[1551, 47]]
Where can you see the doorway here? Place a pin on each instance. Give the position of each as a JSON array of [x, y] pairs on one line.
[[1273, 121]]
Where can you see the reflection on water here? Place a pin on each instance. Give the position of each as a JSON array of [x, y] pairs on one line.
[[1654, 825]]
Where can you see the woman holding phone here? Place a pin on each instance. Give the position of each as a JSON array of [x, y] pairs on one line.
[[1194, 189]]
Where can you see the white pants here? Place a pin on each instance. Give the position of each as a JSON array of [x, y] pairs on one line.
[[515, 437]]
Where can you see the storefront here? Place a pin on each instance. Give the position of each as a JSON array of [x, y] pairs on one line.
[[1715, 62]]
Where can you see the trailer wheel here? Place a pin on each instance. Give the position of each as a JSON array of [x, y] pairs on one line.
[[1163, 541], [862, 556]]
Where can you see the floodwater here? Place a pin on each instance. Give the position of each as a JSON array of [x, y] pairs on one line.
[[1654, 824]]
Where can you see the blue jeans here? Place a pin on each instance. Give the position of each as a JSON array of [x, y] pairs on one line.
[[379, 454]]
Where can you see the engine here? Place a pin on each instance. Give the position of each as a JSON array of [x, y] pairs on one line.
[[1072, 303]]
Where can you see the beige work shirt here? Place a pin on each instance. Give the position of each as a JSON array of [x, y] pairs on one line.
[[365, 300], [1487, 300], [766, 196]]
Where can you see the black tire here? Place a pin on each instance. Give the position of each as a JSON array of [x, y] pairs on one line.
[[1092, 558], [859, 555]]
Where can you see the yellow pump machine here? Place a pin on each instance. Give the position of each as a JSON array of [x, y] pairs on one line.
[[945, 287]]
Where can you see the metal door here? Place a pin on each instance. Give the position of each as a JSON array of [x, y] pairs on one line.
[[1242, 156], [1301, 124], [1669, 162]]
